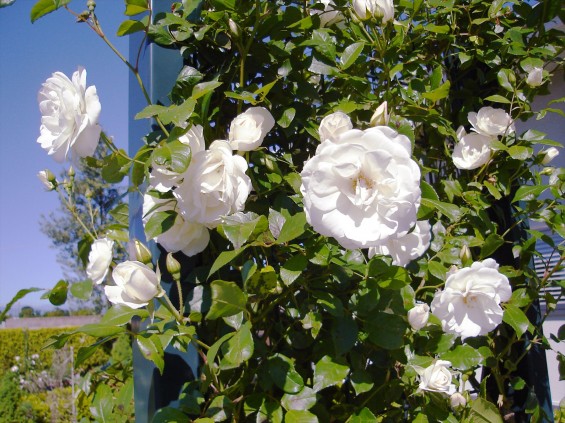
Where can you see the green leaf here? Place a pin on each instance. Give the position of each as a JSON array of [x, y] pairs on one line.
[[58, 295], [200, 90], [225, 257], [240, 347], [120, 314], [506, 79], [519, 152], [463, 357], [82, 290], [116, 167], [528, 192], [130, 27], [293, 268], [491, 244], [451, 211], [328, 373], [220, 408], [386, 330], [293, 227], [135, 7], [498, 99], [483, 411], [239, 227], [151, 348], [213, 351], [350, 54], [441, 92], [19, 295], [300, 416], [304, 400], [170, 415], [227, 299], [361, 382], [100, 330], [283, 374], [174, 156], [287, 117], [160, 222], [43, 7], [363, 416], [516, 318]]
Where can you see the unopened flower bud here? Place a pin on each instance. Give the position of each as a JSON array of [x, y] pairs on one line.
[[465, 255], [381, 116], [535, 77], [234, 28], [418, 316], [47, 179], [140, 252], [457, 400], [91, 4], [83, 17], [173, 266], [549, 155], [71, 172], [88, 193]]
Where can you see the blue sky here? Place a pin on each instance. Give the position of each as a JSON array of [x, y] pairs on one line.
[[29, 54]]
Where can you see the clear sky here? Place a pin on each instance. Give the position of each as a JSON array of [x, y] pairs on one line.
[[29, 54]]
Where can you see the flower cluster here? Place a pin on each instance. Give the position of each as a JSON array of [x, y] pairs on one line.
[[363, 189], [473, 149]]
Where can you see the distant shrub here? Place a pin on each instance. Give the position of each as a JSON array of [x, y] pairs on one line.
[[24, 343]]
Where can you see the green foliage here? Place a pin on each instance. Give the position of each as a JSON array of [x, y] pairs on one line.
[[24, 343]]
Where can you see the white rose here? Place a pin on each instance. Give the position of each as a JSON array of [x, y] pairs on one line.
[[472, 151], [436, 377], [248, 129], [418, 316], [136, 285], [188, 237], [406, 248], [363, 188], [215, 185], [381, 116], [69, 116], [329, 16], [163, 179], [469, 304], [14, 369], [99, 259], [365, 9], [491, 122], [333, 125], [47, 179], [535, 77], [457, 400], [549, 155]]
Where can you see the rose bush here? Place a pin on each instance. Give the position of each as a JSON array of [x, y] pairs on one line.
[[313, 269]]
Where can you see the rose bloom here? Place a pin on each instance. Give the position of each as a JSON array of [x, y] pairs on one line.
[[188, 237], [457, 400], [549, 155], [329, 15], [418, 316], [363, 188], [248, 129], [365, 9], [69, 116], [472, 151], [491, 122], [163, 179], [381, 115], [469, 304], [406, 248], [214, 185], [436, 377], [535, 77], [47, 179], [136, 285], [99, 259], [334, 124]]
